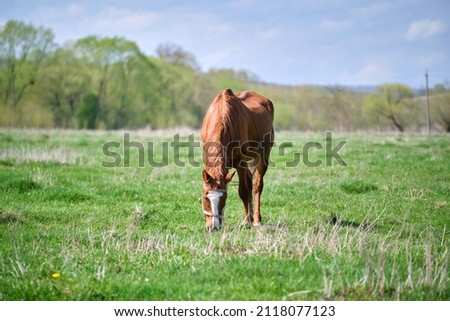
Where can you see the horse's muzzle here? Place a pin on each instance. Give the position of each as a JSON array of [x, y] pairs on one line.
[[213, 223]]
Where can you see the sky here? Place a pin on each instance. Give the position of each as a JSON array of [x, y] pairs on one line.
[[290, 42]]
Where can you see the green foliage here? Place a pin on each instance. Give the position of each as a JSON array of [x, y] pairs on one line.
[[89, 112], [113, 62], [285, 116], [440, 106], [177, 94], [175, 55], [229, 78], [393, 102], [64, 82], [23, 47]]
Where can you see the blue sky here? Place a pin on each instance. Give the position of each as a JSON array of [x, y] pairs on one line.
[[290, 42]]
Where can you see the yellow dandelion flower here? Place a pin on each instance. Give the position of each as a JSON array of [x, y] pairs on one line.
[[56, 275]]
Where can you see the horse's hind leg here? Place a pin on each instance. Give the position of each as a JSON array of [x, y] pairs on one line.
[[245, 193], [258, 185]]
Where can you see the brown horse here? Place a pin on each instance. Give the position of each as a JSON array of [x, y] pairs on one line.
[[237, 132]]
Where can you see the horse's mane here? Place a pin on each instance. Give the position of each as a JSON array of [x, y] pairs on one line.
[[221, 130], [223, 103]]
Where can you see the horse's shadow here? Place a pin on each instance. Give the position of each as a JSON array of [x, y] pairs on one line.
[[335, 220]]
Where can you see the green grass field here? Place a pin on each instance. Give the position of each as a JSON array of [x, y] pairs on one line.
[[376, 229]]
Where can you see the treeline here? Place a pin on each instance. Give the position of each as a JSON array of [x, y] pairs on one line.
[[109, 83]]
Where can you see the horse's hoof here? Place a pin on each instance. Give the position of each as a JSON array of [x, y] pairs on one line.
[[211, 229], [257, 225]]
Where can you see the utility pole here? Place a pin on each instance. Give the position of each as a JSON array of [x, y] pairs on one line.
[[427, 101]]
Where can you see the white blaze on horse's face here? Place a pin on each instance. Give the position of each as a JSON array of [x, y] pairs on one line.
[[216, 199]]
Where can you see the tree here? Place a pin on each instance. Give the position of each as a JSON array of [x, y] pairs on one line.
[[64, 83], [391, 101], [147, 91], [177, 95], [22, 50], [111, 60], [88, 112], [175, 55], [230, 78], [180, 78], [122, 74], [440, 106], [337, 113]]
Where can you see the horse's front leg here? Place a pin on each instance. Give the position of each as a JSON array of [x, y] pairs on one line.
[[245, 193]]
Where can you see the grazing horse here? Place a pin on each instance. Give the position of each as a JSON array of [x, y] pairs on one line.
[[237, 132]]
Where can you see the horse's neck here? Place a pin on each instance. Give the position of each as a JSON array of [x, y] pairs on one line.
[[217, 151]]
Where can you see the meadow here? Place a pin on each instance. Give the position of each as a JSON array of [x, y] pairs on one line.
[[72, 229]]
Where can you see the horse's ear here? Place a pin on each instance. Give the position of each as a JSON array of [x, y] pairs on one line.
[[206, 177], [229, 176]]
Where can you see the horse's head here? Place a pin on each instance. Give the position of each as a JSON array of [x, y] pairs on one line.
[[214, 198]]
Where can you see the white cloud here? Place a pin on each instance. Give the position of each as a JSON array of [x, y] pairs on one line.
[[121, 20], [370, 69], [424, 29], [224, 53], [239, 4], [372, 72], [219, 29], [335, 25], [75, 9], [269, 34], [372, 10]]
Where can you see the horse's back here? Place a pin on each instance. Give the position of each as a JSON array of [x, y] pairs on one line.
[[249, 114], [260, 113], [256, 102]]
